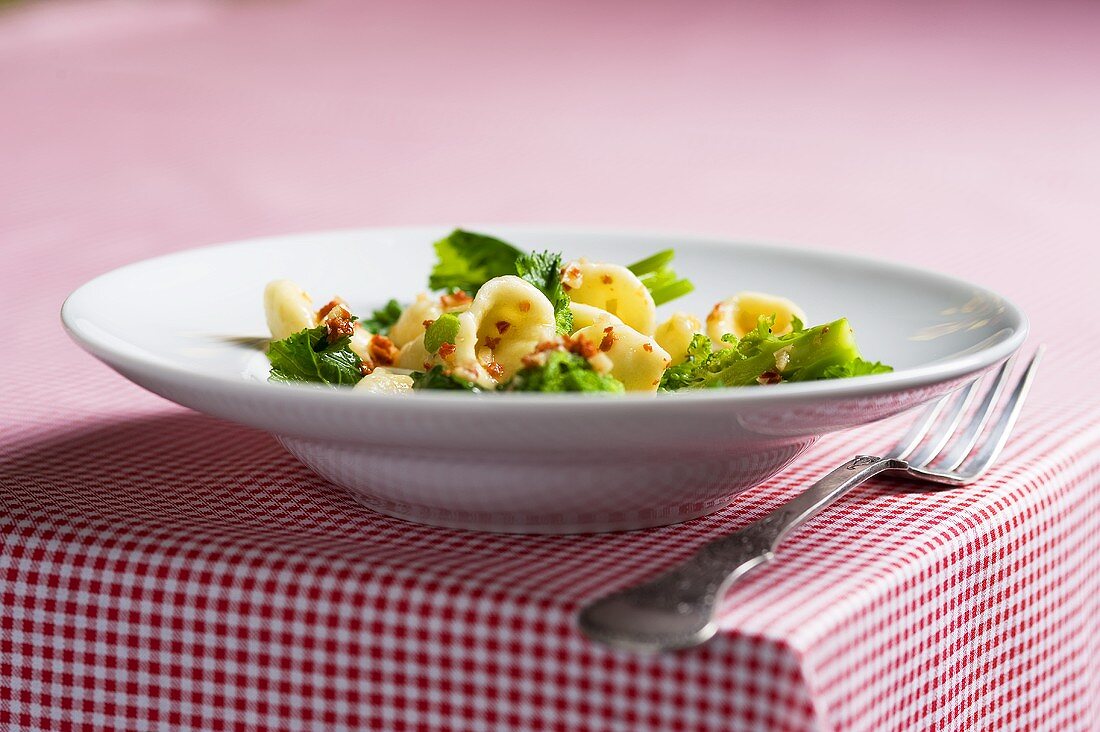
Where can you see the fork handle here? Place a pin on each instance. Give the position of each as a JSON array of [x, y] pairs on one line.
[[676, 609]]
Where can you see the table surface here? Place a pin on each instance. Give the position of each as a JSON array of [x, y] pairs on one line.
[[145, 581]]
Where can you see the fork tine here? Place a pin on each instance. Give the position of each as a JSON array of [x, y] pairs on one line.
[[995, 441], [918, 430], [965, 443], [941, 434]]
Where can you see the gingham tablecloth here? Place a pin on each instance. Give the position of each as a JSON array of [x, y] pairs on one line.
[[164, 570]]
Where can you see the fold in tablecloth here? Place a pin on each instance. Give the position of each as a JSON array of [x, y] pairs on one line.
[[160, 569]]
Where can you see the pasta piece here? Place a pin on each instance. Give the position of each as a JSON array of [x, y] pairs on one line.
[[739, 314], [411, 323], [612, 288], [384, 381], [288, 309], [415, 357], [508, 318], [360, 343], [505, 322], [675, 334], [586, 315], [636, 360]]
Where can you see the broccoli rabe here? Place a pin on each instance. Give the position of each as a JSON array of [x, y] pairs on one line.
[[543, 270], [760, 357], [382, 320], [684, 375], [443, 329], [562, 371], [466, 261], [657, 275], [439, 377], [308, 357], [856, 367]]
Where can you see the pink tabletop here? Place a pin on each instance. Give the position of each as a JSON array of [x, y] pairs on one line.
[[145, 585]]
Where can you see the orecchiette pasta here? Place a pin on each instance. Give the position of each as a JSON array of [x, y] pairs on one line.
[[586, 315], [675, 334], [288, 309], [383, 381], [411, 323], [415, 356], [636, 359], [739, 314], [360, 342], [535, 324], [612, 288], [506, 321]]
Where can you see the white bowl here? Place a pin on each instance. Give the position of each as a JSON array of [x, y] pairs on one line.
[[190, 327]]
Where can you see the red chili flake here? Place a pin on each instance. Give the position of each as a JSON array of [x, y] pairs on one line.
[[570, 277], [769, 377], [608, 339], [583, 346], [606, 279], [447, 350], [427, 365], [503, 326], [455, 300], [428, 324], [492, 342], [495, 370], [524, 306], [647, 347], [366, 368], [382, 350]]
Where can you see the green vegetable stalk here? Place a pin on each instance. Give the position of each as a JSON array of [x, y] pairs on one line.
[[657, 275], [800, 356], [759, 357], [443, 330]]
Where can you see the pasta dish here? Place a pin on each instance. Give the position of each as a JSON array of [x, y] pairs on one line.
[[498, 319]]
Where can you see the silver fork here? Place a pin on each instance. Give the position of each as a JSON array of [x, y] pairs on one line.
[[677, 608]]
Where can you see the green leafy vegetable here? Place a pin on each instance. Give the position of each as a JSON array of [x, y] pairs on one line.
[[562, 371], [308, 357], [686, 374], [660, 279], [543, 270], [466, 261], [440, 378], [760, 357], [856, 367], [443, 330], [381, 320]]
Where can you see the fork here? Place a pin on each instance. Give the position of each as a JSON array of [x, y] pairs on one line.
[[677, 608]]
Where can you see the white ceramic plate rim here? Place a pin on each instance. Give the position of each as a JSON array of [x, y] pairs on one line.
[[947, 369]]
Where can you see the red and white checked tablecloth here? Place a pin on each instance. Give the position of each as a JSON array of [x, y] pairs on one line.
[[163, 570]]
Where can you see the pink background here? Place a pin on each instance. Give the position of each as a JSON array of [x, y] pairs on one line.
[[961, 138]]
